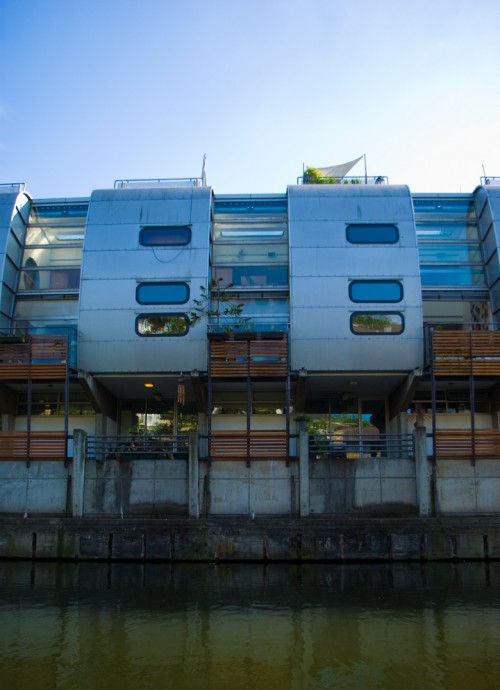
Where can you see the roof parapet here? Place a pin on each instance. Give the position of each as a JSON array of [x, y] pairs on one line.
[[159, 183]]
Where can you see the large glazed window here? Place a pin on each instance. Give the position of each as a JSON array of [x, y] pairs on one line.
[[162, 293], [162, 324], [165, 235], [253, 276], [372, 233], [377, 323], [376, 291]]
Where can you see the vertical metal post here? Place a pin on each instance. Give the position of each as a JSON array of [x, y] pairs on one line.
[[66, 403], [249, 411], [472, 399], [433, 394], [29, 406], [209, 403], [287, 401]]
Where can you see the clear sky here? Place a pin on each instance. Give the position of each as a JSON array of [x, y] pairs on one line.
[[97, 90]]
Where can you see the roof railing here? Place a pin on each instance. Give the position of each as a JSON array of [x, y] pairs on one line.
[[360, 179], [6, 187], [159, 183], [490, 180]]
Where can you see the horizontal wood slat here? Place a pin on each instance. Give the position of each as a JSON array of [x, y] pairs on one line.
[[36, 445], [228, 445], [461, 353], [40, 357], [253, 357], [465, 444]]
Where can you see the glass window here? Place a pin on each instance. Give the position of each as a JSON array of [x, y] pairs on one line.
[[250, 253], [165, 235], [376, 291], [451, 230], [377, 323], [259, 231], [462, 206], [372, 233], [449, 253], [162, 293], [162, 324], [253, 276], [251, 206], [452, 275]]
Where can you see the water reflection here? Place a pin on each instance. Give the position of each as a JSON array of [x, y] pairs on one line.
[[249, 626]]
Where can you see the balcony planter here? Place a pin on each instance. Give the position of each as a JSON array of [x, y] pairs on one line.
[[13, 338]]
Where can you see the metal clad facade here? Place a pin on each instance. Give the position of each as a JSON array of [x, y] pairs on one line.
[[114, 263], [322, 264], [12, 234]]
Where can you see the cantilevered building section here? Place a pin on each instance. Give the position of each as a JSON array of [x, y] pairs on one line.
[[330, 319]]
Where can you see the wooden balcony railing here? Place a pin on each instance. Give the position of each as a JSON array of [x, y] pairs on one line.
[[33, 445], [251, 445], [462, 353], [464, 444], [38, 357], [248, 355]]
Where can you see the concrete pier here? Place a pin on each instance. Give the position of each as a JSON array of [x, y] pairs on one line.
[[244, 539]]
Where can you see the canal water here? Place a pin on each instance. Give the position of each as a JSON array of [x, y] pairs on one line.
[[238, 626]]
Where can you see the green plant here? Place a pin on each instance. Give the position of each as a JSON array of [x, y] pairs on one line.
[[217, 303], [313, 176]]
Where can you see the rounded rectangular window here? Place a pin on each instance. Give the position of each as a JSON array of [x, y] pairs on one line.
[[376, 291], [162, 324], [165, 235], [377, 323], [372, 233], [162, 293]]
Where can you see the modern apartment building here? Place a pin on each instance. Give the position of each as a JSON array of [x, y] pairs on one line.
[[355, 308]]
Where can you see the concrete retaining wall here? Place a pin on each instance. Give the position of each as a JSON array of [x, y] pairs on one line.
[[264, 488], [136, 487], [462, 487], [265, 539], [366, 485]]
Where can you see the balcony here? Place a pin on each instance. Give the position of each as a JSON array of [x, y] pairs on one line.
[[466, 353], [242, 355], [35, 357], [248, 445], [32, 445], [466, 444]]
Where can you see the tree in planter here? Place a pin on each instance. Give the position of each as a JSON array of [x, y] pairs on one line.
[[313, 176], [217, 303]]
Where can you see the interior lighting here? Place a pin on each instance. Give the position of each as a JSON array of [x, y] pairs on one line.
[[149, 385]]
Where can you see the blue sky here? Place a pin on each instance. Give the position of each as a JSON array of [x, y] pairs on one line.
[[95, 90]]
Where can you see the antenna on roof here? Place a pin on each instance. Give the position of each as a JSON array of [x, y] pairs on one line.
[[204, 171]]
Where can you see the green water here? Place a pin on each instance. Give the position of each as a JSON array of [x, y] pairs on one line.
[[93, 626]]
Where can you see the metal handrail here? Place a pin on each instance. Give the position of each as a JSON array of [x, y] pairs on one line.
[[356, 445], [354, 180], [12, 187], [160, 182], [490, 180], [138, 447]]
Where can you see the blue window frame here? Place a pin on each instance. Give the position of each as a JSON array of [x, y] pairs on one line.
[[376, 291], [161, 325], [165, 235], [162, 293], [372, 233], [377, 323]]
